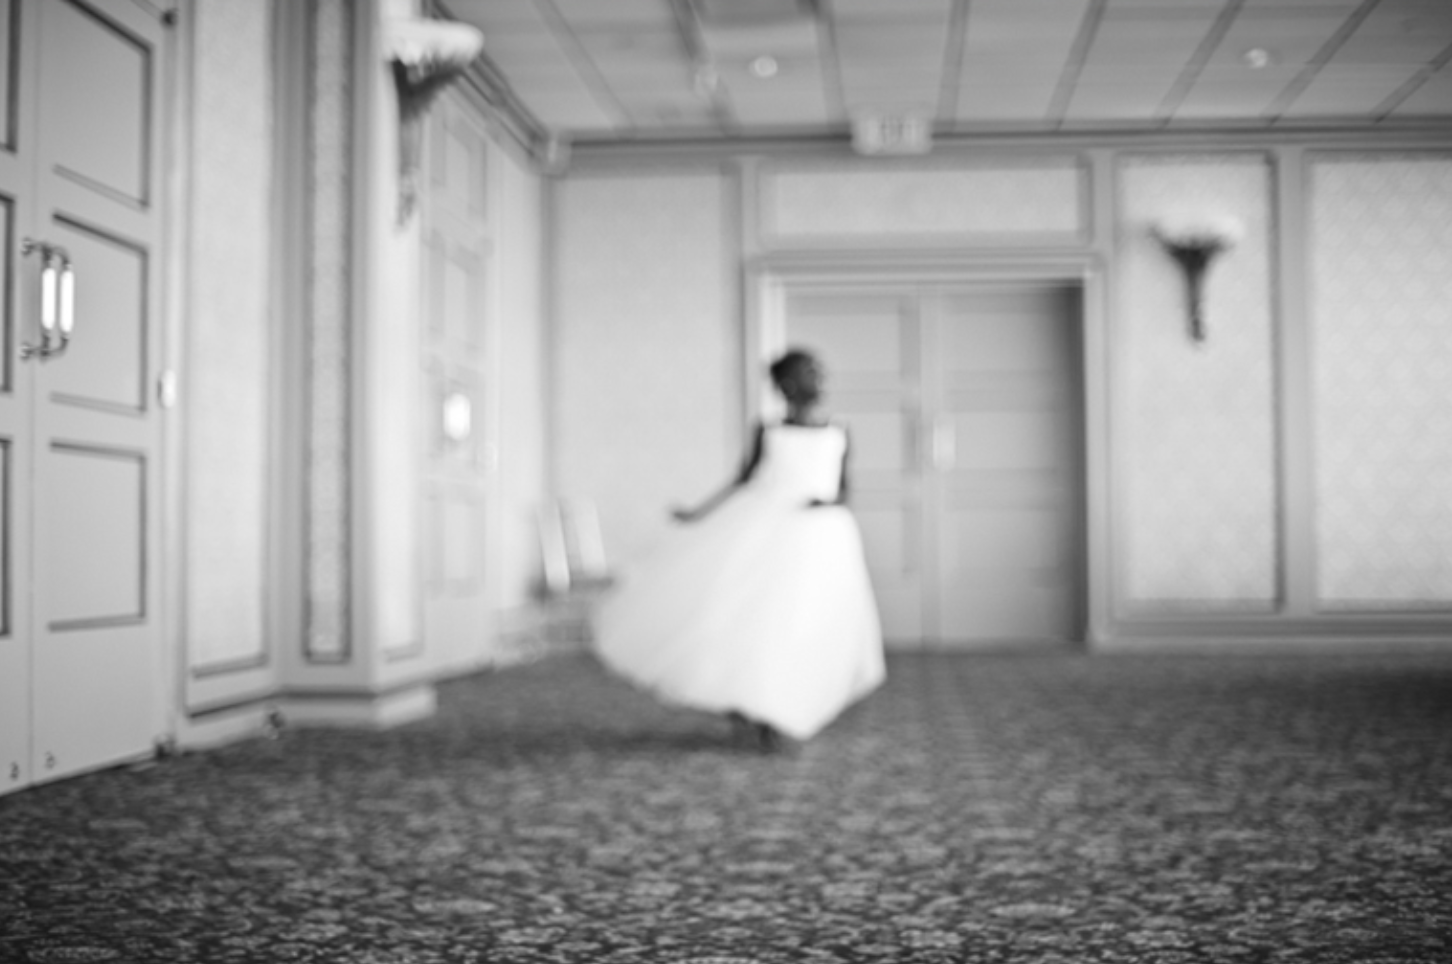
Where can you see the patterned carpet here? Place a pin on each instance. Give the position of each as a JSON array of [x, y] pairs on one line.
[[1047, 809]]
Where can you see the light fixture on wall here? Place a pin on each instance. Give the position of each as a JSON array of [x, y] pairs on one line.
[[427, 56], [1194, 242]]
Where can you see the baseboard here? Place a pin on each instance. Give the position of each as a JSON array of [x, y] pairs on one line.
[[1275, 645], [358, 708], [213, 729]]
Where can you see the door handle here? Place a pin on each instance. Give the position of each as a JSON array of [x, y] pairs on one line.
[[57, 300]]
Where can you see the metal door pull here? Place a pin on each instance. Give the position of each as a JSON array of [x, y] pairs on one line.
[[57, 299]]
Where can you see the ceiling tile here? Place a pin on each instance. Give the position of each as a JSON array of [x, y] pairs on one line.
[[999, 95], [1119, 94], [594, 66], [1341, 91], [897, 11], [794, 38], [808, 107], [572, 111], [619, 12], [1398, 32], [495, 13], [1433, 97], [1230, 92], [1290, 38]]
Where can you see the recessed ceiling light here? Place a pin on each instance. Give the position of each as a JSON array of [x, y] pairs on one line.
[[1256, 58], [764, 66]]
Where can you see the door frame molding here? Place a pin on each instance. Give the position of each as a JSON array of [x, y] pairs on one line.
[[768, 279]]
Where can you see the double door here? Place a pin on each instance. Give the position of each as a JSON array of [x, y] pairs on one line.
[[460, 464], [965, 407], [81, 663]]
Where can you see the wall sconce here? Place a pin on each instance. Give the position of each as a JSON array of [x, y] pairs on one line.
[[427, 56], [1194, 243]]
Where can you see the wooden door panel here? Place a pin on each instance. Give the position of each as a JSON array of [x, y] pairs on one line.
[[890, 527], [864, 336], [105, 364], [1009, 478], [456, 562], [15, 510], [99, 120], [1000, 332], [460, 372], [93, 563], [97, 661], [9, 60], [1032, 439], [882, 441], [14, 646], [461, 302], [11, 333], [95, 703], [869, 342], [7, 560]]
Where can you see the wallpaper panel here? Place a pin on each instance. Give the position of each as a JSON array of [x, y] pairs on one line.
[[1381, 303], [228, 370], [1041, 196], [330, 349], [645, 348], [1195, 424]]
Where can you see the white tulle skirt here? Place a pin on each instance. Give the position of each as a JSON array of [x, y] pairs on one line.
[[762, 607]]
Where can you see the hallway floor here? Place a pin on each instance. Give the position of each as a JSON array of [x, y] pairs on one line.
[[1047, 809]]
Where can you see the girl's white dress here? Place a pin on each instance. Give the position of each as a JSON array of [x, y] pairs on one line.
[[764, 606]]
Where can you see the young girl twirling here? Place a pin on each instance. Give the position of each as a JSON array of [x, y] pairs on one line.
[[761, 607]]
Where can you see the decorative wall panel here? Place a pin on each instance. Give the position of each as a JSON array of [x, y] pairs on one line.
[[1195, 458], [1381, 311], [329, 349], [228, 334], [645, 343], [1037, 197]]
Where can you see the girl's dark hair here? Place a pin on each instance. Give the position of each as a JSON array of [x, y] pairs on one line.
[[790, 360]]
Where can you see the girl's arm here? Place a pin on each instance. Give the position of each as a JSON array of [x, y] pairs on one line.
[[748, 469]]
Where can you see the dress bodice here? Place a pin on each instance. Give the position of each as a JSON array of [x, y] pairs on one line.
[[801, 462]]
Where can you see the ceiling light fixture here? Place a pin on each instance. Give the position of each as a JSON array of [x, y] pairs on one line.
[[1256, 57], [764, 67]]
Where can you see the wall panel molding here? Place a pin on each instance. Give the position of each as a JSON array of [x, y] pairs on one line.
[[229, 336], [329, 346]]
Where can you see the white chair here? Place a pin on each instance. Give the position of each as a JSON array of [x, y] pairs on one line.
[[575, 569]]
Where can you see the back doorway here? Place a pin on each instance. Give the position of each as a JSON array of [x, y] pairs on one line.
[[965, 403]]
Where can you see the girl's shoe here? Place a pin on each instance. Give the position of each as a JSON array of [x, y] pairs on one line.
[[741, 728], [768, 740]]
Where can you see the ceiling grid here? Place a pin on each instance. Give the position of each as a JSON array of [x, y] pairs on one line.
[[598, 72]]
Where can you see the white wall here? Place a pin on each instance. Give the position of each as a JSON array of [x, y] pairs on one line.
[[1223, 519], [522, 399], [227, 369], [646, 346]]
